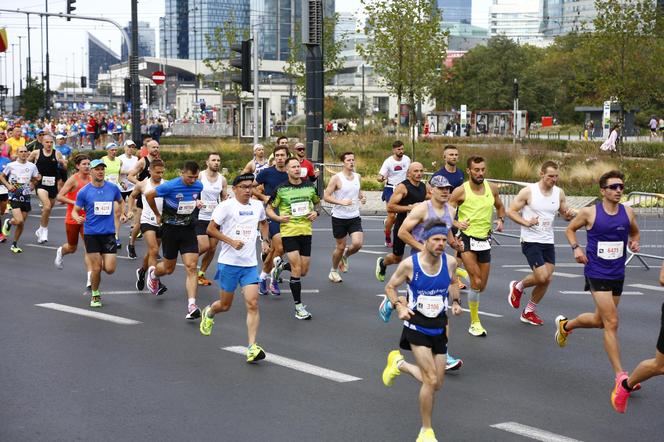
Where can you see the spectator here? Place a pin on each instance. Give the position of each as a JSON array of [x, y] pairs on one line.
[[610, 143]]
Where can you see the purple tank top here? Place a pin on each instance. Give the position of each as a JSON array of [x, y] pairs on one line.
[[431, 215], [606, 248]]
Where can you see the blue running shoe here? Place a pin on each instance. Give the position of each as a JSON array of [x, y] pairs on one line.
[[385, 310], [262, 287], [274, 288], [453, 363]]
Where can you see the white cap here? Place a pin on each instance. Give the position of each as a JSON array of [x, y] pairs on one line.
[[257, 146], [59, 137]]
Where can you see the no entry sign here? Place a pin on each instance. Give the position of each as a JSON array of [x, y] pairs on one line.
[[158, 77]]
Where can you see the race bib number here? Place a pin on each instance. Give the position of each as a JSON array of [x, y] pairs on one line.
[[300, 209], [431, 306], [479, 245], [103, 207], [244, 232], [48, 181], [186, 207], [544, 225], [610, 250], [303, 172], [209, 206], [112, 179]]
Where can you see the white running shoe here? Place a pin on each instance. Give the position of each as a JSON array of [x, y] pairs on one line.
[[38, 234], [334, 276], [44, 235], [59, 262]]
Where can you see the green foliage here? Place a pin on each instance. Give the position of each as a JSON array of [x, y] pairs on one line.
[[32, 100]]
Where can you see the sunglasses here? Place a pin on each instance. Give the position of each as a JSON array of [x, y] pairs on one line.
[[615, 186], [300, 148]]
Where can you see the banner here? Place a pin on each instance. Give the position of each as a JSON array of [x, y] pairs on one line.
[[606, 120], [4, 44]]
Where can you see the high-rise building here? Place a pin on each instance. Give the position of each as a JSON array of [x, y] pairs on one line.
[[146, 40], [552, 17], [577, 14], [456, 11], [100, 57], [519, 20]]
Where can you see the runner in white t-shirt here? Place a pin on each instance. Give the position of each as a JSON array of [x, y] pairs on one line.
[[393, 171], [235, 224]]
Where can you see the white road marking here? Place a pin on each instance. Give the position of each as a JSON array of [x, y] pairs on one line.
[[561, 274], [299, 366], [42, 246], [491, 315], [50, 217], [532, 432], [647, 287], [372, 252], [88, 313], [580, 292], [561, 264], [303, 291], [125, 292]]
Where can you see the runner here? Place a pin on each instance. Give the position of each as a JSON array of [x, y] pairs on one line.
[[128, 162], [214, 191], [148, 221], [15, 141], [98, 200], [114, 165], [345, 193], [644, 371], [610, 227], [4, 196], [234, 223], [298, 208], [178, 232], [393, 171], [270, 178], [48, 162], [406, 195], [430, 275], [19, 177], [73, 229], [475, 201], [141, 172], [65, 150], [535, 208], [306, 167], [258, 162]]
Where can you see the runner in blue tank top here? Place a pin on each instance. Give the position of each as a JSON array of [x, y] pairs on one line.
[[431, 280], [611, 228]]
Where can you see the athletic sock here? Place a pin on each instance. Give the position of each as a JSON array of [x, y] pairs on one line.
[[200, 274], [519, 286], [474, 305], [88, 282], [531, 307], [296, 289], [263, 276], [191, 301], [14, 244], [400, 363]]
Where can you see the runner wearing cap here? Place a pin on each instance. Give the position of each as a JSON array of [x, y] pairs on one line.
[[306, 167], [65, 150], [113, 167], [258, 162]]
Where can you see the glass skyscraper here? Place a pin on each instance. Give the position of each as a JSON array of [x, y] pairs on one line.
[[100, 57], [146, 40], [456, 11]]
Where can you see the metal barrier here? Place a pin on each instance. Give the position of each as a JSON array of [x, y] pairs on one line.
[[649, 209], [202, 130]]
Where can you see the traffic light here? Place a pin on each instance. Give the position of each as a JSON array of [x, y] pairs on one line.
[[515, 90], [70, 8], [84, 82], [152, 94], [243, 62], [127, 90]]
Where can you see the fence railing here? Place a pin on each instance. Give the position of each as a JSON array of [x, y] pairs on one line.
[[202, 130], [649, 209]]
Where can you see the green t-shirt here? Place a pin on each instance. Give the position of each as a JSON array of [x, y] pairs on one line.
[[296, 201]]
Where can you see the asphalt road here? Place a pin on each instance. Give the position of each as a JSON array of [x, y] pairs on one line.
[[69, 377]]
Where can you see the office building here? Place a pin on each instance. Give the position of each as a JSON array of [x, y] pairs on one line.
[[456, 11], [100, 57], [146, 40], [519, 20]]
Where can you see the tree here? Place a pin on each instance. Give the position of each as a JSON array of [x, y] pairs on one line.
[[405, 46], [32, 99]]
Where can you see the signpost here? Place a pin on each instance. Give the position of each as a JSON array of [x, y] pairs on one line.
[[158, 77]]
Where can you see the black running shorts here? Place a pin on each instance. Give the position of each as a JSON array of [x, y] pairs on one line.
[[145, 227], [437, 344], [300, 243], [52, 190], [178, 239], [201, 227], [104, 244], [483, 256], [537, 254], [342, 227], [604, 285], [660, 341]]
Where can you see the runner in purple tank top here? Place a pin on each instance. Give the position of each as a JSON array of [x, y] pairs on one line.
[[611, 228]]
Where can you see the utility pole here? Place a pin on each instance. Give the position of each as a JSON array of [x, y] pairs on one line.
[[362, 106], [133, 74], [20, 65], [28, 78], [48, 71], [516, 109], [13, 70], [255, 45], [312, 38]]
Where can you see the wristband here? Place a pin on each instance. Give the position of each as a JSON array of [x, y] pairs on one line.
[[575, 246]]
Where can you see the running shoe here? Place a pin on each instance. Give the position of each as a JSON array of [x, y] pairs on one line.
[[162, 289], [6, 227], [514, 296], [95, 301], [255, 353], [3, 238], [334, 276], [59, 262], [476, 329], [206, 322], [131, 251], [531, 318], [140, 279], [426, 435], [453, 363], [152, 280], [619, 395], [193, 312], [301, 312], [275, 273], [343, 264], [385, 310], [391, 370], [202, 280], [38, 234], [274, 288], [380, 269], [462, 273], [262, 287], [561, 333], [44, 235], [16, 249]]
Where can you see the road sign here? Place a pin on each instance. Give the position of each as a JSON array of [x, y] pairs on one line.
[[158, 77]]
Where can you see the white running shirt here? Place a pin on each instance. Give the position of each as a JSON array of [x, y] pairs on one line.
[[350, 189], [147, 215], [395, 171], [543, 207], [240, 222], [210, 195]]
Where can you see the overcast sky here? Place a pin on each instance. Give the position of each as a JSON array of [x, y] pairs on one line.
[[68, 40]]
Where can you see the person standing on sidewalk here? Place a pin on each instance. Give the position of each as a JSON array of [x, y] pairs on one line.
[[393, 171]]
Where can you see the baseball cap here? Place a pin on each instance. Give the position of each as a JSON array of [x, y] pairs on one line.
[[95, 163], [39, 131], [110, 146], [130, 143], [439, 181], [59, 136], [257, 146], [243, 177]]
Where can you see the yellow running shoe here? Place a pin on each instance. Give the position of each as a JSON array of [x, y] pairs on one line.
[[561, 333], [391, 370], [476, 329], [95, 301], [426, 435], [206, 322], [255, 353], [461, 272]]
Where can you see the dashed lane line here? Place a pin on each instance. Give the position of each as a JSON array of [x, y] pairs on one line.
[[561, 274], [647, 287], [532, 432], [491, 315], [580, 292], [87, 313]]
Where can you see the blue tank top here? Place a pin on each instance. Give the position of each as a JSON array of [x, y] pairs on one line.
[[606, 246], [418, 230], [428, 298]]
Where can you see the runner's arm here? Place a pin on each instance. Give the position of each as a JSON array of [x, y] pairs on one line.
[[66, 188], [33, 156], [457, 198], [453, 290], [332, 187], [7, 184], [634, 233], [514, 210], [224, 189], [133, 196], [257, 192], [149, 197], [414, 218], [393, 204], [61, 159], [214, 231], [402, 274], [76, 216], [581, 220], [500, 208], [132, 177], [566, 211], [249, 168]]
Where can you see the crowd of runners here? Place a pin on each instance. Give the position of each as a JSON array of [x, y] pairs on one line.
[[447, 222]]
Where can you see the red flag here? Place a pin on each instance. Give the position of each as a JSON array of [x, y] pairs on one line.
[[4, 44]]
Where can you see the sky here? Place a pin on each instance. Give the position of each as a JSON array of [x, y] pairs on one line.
[[68, 40]]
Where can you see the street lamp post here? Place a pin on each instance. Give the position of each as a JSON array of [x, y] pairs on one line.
[[20, 65]]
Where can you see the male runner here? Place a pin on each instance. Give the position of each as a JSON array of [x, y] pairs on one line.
[[258, 162], [475, 201], [214, 191], [610, 227], [15, 141], [48, 162], [535, 208], [148, 222], [141, 172], [297, 203], [644, 371], [234, 223], [113, 167], [345, 193], [393, 171], [98, 200], [128, 161], [4, 195], [430, 275], [19, 177], [406, 195], [270, 178], [306, 167], [65, 150], [178, 232]]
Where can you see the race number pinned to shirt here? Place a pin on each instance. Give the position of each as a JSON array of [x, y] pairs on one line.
[[300, 209], [209, 206], [186, 207], [610, 250], [103, 207], [48, 181], [543, 225], [477, 245], [244, 232], [431, 306]]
